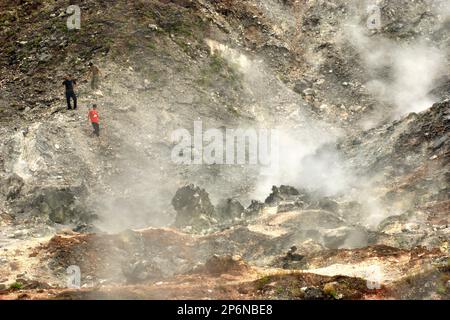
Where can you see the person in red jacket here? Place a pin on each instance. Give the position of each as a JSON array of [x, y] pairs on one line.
[[93, 118]]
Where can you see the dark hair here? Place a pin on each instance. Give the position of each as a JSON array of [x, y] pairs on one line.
[[94, 106]]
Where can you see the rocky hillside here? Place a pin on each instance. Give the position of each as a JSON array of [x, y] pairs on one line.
[[364, 122]]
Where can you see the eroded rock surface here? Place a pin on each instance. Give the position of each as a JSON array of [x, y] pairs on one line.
[[359, 208]]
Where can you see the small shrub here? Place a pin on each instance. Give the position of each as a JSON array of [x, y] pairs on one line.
[[262, 282], [16, 286]]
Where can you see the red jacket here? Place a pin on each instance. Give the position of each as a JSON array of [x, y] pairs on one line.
[[93, 116]]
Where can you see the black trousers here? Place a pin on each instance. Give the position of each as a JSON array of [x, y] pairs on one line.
[[96, 128], [70, 95]]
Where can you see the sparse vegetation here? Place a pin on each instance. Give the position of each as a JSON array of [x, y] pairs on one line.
[[217, 64], [441, 289], [280, 290], [330, 290], [220, 73], [270, 69], [262, 282], [295, 291], [16, 286]]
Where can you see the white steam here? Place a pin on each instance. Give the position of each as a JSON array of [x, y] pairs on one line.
[[403, 74], [300, 136], [299, 166]]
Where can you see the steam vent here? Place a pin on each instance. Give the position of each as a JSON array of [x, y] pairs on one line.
[[224, 150]]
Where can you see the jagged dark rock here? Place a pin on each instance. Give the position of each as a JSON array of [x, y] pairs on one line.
[[60, 205], [140, 271], [281, 193], [364, 155], [12, 186], [254, 208], [229, 209], [193, 206]]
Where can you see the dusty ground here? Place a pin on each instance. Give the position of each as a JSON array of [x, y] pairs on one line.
[[371, 217], [182, 266]]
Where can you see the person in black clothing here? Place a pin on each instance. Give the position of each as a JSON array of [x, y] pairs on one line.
[[69, 83]]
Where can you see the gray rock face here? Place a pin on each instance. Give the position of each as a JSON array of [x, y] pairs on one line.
[[12, 186], [60, 205], [328, 204], [281, 193], [229, 209], [254, 208], [409, 230], [140, 271], [193, 207], [313, 293], [302, 85], [286, 198], [158, 81], [404, 148], [348, 237]]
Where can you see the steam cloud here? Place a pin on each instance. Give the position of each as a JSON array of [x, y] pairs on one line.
[[403, 74]]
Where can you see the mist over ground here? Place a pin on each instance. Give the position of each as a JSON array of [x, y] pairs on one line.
[[354, 206]]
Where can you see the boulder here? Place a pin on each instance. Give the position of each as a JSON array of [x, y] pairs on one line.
[[291, 260], [140, 271], [229, 209], [60, 205], [284, 193], [286, 206], [328, 204], [254, 208], [225, 264], [193, 206], [301, 85], [313, 293], [345, 237]]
